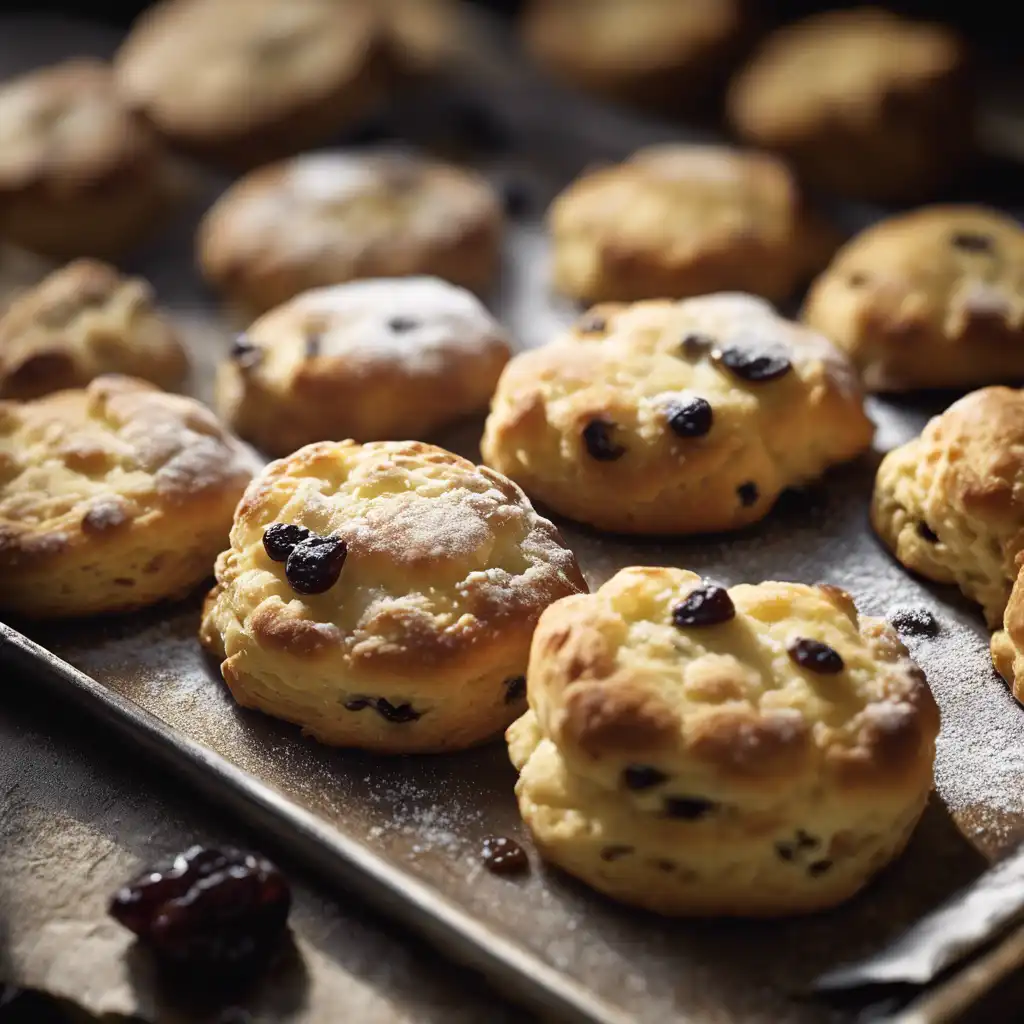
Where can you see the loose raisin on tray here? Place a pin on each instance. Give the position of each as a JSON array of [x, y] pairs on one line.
[[213, 911], [705, 606], [748, 494], [597, 436], [756, 366], [815, 656], [395, 713], [914, 622], [691, 418], [314, 565], [281, 539], [642, 776], [515, 689], [503, 856]]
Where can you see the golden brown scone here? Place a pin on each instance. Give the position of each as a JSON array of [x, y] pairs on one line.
[[368, 360], [422, 37], [331, 217], [669, 55], [1008, 643], [79, 174], [242, 82], [384, 595], [81, 322], [950, 503], [681, 220], [761, 750], [112, 498], [675, 417], [929, 299], [863, 101]]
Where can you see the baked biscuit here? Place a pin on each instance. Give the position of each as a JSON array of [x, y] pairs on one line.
[[675, 417], [950, 503], [369, 360], [761, 750], [241, 82], [681, 220], [422, 37], [863, 102], [384, 595], [929, 299], [79, 174], [81, 322], [112, 498], [1008, 642], [327, 218], [669, 55]]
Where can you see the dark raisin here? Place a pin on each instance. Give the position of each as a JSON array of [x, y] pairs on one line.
[[972, 241], [597, 436], [691, 418], [805, 841], [709, 605], [927, 533], [397, 714], [615, 852], [313, 342], [757, 366], [517, 197], [212, 910], [785, 851], [315, 564], [687, 808], [818, 867], [665, 865], [245, 353], [815, 656], [280, 539], [914, 622], [693, 346], [642, 776], [402, 324], [748, 494], [592, 324], [515, 689], [503, 856]]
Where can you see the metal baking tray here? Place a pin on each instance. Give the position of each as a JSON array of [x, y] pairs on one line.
[[404, 832]]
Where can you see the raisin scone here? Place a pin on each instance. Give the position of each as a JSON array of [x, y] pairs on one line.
[[81, 322], [383, 596], [331, 217], [862, 101], [928, 299], [677, 220], [392, 358], [675, 417], [80, 175], [112, 498], [1008, 642], [696, 750], [668, 55], [242, 82], [950, 503]]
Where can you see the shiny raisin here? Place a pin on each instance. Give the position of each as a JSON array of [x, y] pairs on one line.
[[314, 565], [691, 418], [642, 776], [597, 436], [704, 606], [281, 539], [815, 656], [687, 808], [503, 856], [756, 366], [394, 713]]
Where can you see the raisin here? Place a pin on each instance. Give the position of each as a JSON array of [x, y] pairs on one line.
[[927, 533], [211, 910], [748, 494], [753, 365], [597, 436], [972, 241], [688, 808], [914, 622], [815, 656], [664, 865], [315, 564], [708, 605], [397, 714], [785, 851], [402, 324], [280, 539], [692, 418], [642, 776], [857, 279], [615, 852], [805, 841], [818, 867], [592, 324], [515, 689], [693, 346], [503, 856], [245, 353]]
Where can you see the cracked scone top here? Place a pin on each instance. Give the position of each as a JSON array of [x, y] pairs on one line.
[[112, 498], [695, 750], [950, 503], [391, 604], [675, 417]]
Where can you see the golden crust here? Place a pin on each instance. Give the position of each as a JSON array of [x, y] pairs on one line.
[[928, 299], [889, 114], [327, 218], [950, 503], [447, 570], [81, 322], [681, 220], [1008, 643], [630, 372], [708, 749], [368, 360], [112, 498]]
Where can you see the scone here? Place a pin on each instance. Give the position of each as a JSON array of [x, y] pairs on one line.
[[668, 55], [331, 217], [392, 358], [681, 220], [1008, 643], [81, 322], [864, 102], [241, 82], [384, 595], [929, 299], [112, 498], [950, 503], [79, 174], [422, 37], [761, 750], [675, 417]]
